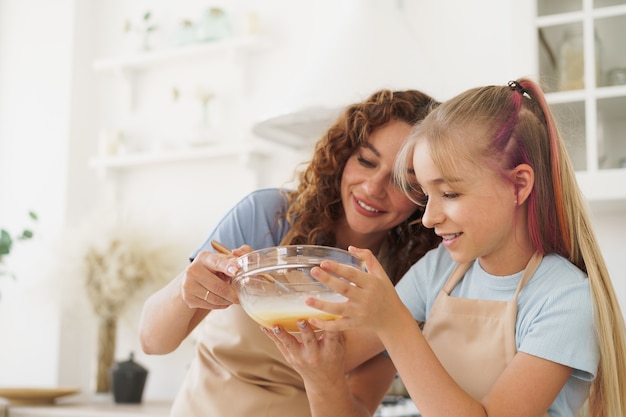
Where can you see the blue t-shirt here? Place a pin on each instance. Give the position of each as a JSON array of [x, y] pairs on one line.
[[254, 221], [554, 315]]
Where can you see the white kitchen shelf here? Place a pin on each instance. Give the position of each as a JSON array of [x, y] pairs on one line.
[[138, 159], [603, 185], [581, 95], [143, 60], [604, 190], [577, 16]]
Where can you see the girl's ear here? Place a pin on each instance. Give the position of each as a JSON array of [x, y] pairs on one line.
[[523, 177]]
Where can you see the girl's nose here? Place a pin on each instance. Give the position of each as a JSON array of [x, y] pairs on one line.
[[432, 215]]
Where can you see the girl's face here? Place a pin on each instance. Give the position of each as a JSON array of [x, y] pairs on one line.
[[372, 203], [474, 214]]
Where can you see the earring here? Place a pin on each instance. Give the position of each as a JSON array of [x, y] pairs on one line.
[[516, 202]]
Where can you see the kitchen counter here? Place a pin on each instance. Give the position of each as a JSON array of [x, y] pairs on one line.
[[151, 409], [396, 408]]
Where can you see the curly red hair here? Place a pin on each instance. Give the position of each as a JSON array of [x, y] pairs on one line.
[[315, 206]]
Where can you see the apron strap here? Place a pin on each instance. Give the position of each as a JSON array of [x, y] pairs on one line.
[[531, 267], [456, 276], [460, 270]]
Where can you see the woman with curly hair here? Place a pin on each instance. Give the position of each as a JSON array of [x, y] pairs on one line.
[[346, 196]]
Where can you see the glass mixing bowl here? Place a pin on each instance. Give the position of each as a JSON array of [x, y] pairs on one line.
[[274, 283]]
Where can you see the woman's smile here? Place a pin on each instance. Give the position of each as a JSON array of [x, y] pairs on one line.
[[366, 209]]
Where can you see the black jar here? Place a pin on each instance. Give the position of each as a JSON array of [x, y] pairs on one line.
[[128, 379]]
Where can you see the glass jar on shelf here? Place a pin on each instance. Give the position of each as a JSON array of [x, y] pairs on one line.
[[214, 25], [571, 59]]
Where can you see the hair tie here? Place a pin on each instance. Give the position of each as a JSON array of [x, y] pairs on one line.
[[515, 86]]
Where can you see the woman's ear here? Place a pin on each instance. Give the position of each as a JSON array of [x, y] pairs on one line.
[[523, 177]]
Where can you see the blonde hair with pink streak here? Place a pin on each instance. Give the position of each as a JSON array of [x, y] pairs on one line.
[[501, 127]]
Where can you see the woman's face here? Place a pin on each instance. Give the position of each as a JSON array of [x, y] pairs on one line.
[[474, 213], [372, 203]]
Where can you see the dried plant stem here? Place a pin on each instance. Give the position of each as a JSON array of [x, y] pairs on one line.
[[119, 256], [107, 329]]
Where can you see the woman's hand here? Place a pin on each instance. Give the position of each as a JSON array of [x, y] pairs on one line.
[[170, 314], [318, 360], [206, 281], [372, 299]]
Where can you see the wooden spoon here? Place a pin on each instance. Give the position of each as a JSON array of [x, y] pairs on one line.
[[221, 248]]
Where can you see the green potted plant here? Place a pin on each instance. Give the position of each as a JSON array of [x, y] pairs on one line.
[[6, 244], [144, 29], [7, 240]]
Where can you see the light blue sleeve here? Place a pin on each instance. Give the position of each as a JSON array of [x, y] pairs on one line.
[[257, 220], [556, 319]]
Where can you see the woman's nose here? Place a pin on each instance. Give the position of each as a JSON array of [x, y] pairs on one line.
[[376, 185]]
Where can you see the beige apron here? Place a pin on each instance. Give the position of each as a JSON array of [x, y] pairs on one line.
[[238, 372], [474, 339]]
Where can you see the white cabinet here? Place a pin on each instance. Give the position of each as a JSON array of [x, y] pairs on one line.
[[582, 66]]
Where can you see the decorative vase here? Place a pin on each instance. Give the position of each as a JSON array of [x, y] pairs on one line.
[[128, 379], [107, 333]]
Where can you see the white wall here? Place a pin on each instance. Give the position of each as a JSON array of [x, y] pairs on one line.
[[52, 106], [35, 113], [609, 226]]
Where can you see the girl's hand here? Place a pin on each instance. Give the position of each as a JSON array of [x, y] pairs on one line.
[[372, 298], [206, 281], [319, 359]]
